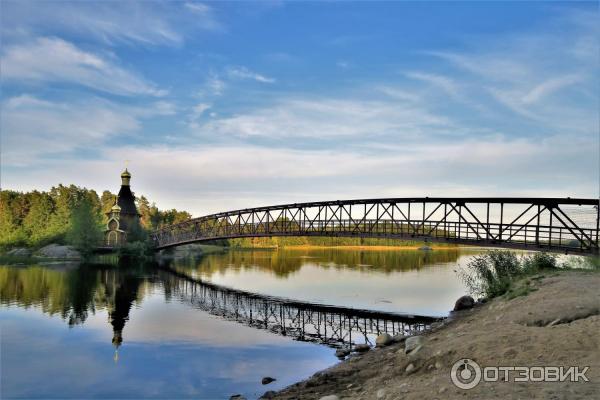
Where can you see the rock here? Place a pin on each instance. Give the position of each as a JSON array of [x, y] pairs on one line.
[[399, 338], [556, 321], [385, 339], [438, 365], [342, 353], [463, 303], [442, 389], [237, 397], [414, 351], [19, 252], [381, 393], [330, 397], [269, 394], [58, 251], [267, 379], [361, 348], [412, 343], [410, 368]]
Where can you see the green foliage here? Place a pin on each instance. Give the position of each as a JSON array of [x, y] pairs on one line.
[[539, 262], [38, 218], [492, 274], [85, 232]]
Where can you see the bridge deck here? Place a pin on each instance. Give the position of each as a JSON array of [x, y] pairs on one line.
[[552, 224]]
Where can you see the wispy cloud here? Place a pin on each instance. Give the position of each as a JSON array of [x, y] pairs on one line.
[[240, 72], [197, 111], [50, 59], [542, 76], [445, 83], [327, 118], [550, 86], [34, 128], [150, 23]]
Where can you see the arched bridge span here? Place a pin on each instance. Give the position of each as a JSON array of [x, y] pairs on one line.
[[553, 224]]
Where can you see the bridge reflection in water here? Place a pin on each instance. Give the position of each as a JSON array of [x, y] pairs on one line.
[[330, 325], [75, 292]]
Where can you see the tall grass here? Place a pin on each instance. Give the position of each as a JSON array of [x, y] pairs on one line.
[[492, 274]]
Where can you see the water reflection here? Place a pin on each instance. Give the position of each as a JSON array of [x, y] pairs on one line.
[[170, 344], [75, 291], [407, 281], [286, 263]]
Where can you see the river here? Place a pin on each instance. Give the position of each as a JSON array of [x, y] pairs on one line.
[[210, 326]]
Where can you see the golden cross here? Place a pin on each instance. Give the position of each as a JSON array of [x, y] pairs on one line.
[[127, 163]]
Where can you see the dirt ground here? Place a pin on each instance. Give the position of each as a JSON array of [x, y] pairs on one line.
[[555, 324]]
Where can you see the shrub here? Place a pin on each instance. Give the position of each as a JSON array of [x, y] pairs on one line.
[[539, 262], [490, 274]]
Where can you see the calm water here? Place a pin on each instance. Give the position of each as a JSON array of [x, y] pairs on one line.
[[107, 331]]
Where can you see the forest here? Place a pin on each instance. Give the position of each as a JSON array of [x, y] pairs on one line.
[[38, 218]]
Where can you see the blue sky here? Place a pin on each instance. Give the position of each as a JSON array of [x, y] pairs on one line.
[[230, 105]]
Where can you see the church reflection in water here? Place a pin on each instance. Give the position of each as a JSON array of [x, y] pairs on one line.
[[73, 291]]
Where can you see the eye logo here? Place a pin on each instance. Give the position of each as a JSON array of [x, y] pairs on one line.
[[465, 374]]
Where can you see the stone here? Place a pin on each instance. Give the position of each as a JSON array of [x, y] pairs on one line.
[[19, 252], [380, 393], [464, 303], [269, 394], [438, 365], [330, 397], [342, 353], [361, 348], [442, 389], [414, 351], [410, 368], [385, 339], [237, 397], [57, 251], [399, 338], [412, 343], [267, 379], [556, 321]]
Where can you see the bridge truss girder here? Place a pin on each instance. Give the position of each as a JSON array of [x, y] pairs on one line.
[[566, 225]]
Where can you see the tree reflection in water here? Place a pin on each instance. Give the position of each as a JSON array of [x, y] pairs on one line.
[[73, 291]]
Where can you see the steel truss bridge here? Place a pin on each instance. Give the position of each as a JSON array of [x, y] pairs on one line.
[[551, 224], [337, 327]]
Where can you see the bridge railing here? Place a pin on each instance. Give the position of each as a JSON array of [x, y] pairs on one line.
[[554, 224]]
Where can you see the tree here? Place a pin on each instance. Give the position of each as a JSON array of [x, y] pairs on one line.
[[107, 200], [84, 232]]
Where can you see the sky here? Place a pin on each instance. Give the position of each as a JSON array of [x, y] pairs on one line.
[[226, 105]]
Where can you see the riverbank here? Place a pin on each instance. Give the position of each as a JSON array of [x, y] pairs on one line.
[[555, 324]]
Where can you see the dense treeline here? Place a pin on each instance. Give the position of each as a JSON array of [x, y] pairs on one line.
[[64, 214]]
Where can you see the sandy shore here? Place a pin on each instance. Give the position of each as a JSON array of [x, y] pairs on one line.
[[556, 324]]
